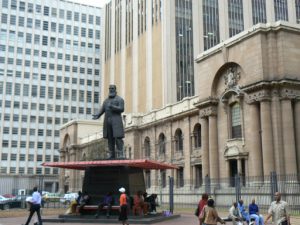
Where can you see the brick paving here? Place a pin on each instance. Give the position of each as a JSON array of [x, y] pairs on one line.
[[185, 219]]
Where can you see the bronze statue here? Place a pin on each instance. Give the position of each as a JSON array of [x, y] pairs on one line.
[[113, 129]]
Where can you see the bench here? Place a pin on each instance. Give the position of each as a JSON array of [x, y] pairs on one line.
[[228, 219], [89, 209]]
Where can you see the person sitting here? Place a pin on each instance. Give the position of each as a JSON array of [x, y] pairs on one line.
[[108, 201], [139, 206], [234, 214], [72, 207], [245, 214], [152, 203], [254, 213], [84, 200]]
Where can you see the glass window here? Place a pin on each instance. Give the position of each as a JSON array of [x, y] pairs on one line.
[[46, 11], [179, 140], [236, 124], [259, 11], [147, 147], [83, 18], [197, 136], [281, 10], [12, 20], [53, 27], [69, 15], [4, 19], [162, 144], [91, 19], [180, 177], [297, 4], [45, 25], [30, 8], [98, 20], [29, 22], [235, 17]]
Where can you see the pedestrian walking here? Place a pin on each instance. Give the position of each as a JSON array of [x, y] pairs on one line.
[[35, 206]]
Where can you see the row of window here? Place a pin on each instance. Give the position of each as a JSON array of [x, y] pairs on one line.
[[30, 170], [50, 66], [35, 91], [31, 131], [31, 144], [52, 41], [30, 157], [236, 132], [51, 55], [51, 26], [41, 119], [53, 12]]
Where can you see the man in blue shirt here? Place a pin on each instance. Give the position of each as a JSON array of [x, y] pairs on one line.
[[243, 211], [254, 213], [35, 206], [108, 201]]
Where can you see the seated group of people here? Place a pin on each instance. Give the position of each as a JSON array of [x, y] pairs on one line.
[[144, 204], [238, 212]]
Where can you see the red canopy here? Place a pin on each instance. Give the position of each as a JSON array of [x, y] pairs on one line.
[[138, 163]]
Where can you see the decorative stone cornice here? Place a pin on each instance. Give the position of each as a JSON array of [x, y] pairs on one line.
[[266, 90], [207, 107], [209, 111], [203, 103]]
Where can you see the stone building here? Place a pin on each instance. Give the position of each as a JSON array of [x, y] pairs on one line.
[[244, 120], [232, 109]]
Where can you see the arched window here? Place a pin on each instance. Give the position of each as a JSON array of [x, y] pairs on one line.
[[147, 147], [197, 136], [236, 122], [178, 140], [162, 144]]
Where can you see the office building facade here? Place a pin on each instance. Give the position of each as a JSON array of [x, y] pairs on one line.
[[50, 71], [229, 109]]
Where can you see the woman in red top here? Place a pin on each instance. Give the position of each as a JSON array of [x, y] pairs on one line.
[[123, 207], [202, 203]]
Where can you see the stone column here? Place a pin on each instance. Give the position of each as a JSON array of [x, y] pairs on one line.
[[239, 165], [213, 147], [267, 137], [204, 147], [254, 143], [72, 187], [277, 133], [297, 130], [186, 129], [62, 173], [288, 137]]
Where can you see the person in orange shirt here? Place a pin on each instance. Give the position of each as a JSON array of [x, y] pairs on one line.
[[123, 207]]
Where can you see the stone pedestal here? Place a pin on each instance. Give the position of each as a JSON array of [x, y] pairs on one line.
[[98, 181]]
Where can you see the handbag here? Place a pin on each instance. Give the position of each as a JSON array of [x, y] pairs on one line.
[[196, 213], [202, 215]]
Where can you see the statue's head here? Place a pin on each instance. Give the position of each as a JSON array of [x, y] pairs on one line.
[[112, 90]]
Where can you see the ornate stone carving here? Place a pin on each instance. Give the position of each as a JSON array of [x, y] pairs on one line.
[[232, 77], [208, 111]]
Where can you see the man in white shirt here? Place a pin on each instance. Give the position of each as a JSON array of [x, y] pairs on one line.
[[279, 211], [234, 214], [35, 206]]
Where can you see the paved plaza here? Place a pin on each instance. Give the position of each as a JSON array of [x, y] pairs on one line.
[[185, 219]]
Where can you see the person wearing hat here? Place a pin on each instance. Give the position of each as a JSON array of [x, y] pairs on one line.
[[123, 207]]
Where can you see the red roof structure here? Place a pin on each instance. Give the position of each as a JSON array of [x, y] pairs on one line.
[[137, 163]]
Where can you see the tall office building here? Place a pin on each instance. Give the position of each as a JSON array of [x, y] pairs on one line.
[[150, 46], [50, 71], [210, 85]]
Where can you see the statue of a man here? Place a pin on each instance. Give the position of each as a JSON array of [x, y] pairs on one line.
[[113, 129]]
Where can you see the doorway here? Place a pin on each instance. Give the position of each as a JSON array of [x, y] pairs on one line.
[[233, 170]]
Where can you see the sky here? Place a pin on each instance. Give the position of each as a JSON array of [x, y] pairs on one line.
[[99, 3]]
